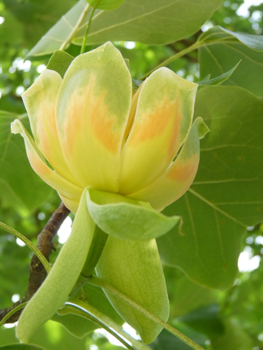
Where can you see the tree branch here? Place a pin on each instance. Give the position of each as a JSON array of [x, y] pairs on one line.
[[37, 272]]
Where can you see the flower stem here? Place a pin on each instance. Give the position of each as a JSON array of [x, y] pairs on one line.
[[87, 29], [96, 281], [28, 243], [13, 311]]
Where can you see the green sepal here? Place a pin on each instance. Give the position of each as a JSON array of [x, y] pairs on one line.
[[59, 62], [126, 218], [55, 289], [107, 5], [134, 268]]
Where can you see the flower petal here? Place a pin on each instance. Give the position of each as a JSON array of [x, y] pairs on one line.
[[162, 120], [93, 109], [64, 187], [40, 102], [179, 176]]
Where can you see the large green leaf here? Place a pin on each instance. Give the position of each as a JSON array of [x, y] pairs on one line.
[[149, 22], [225, 49], [226, 195], [20, 187]]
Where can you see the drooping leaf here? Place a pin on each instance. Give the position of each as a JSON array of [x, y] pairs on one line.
[[20, 187], [134, 21], [226, 196], [126, 218], [224, 49]]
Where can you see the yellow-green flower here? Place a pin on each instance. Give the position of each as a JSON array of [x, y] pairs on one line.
[[91, 129]]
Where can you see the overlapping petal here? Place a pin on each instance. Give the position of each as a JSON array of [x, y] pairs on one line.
[[179, 176], [40, 102], [63, 186], [93, 108], [162, 120]]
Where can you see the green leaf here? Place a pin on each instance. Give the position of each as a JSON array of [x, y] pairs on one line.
[[218, 80], [153, 22], [21, 347], [226, 196], [224, 49], [60, 62], [107, 5], [61, 278], [20, 187], [126, 218], [134, 268]]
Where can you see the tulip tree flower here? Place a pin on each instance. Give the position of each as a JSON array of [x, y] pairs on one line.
[[134, 153]]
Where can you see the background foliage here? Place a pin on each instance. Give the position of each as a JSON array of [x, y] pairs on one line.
[[210, 301]]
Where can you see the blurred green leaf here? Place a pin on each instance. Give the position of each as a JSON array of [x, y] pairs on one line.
[[226, 195], [185, 295], [107, 5], [134, 21], [205, 320], [20, 186], [234, 338], [224, 49], [21, 347]]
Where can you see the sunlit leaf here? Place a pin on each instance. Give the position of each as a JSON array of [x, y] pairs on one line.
[[133, 21]]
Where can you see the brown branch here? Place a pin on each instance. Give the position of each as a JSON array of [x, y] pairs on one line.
[[37, 272]]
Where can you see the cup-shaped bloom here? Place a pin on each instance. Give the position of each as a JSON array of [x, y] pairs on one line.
[[90, 129]]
